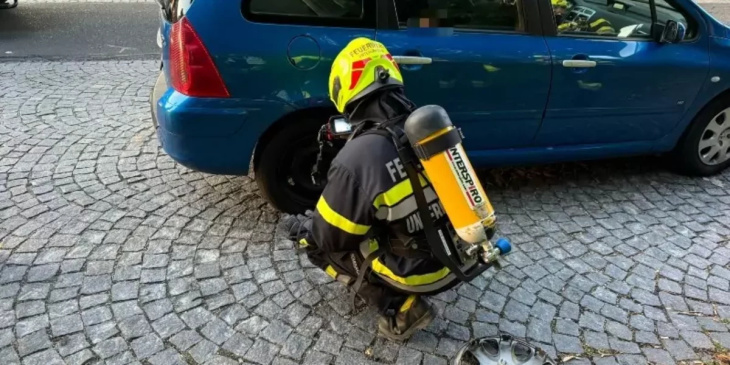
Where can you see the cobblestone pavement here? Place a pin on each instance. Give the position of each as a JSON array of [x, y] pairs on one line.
[[111, 251]]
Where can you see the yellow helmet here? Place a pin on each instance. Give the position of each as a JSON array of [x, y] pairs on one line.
[[361, 68], [560, 3]]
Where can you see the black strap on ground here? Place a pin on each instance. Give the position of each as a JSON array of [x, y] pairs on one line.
[[364, 268]]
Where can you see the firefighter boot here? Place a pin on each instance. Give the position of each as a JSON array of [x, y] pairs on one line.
[[413, 315]]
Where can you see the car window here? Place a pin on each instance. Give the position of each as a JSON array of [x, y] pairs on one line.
[[612, 18], [502, 15], [308, 8]]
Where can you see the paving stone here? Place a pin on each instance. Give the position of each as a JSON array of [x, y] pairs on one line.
[[147, 346], [722, 338], [598, 341], [328, 342], [263, 352], [48, 357], [658, 356], [237, 344], [679, 350], [567, 344], [570, 310], [513, 328], [102, 331], [183, 340], [203, 351], [646, 337], [167, 357], [513, 311], [110, 347], [256, 324], [80, 358], [539, 329], [217, 331], [697, 340], [29, 309], [433, 360], [9, 356], [126, 309], [42, 272], [33, 343], [71, 344], [407, 356], [592, 321], [66, 325], [125, 291], [168, 325], [484, 329], [95, 284], [134, 326], [623, 347]]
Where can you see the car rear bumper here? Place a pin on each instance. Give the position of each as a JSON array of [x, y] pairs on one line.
[[216, 136], [202, 134]]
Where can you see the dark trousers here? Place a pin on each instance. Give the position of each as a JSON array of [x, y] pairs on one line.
[[373, 291]]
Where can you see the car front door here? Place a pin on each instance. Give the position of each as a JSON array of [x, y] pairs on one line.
[[485, 62], [613, 82]]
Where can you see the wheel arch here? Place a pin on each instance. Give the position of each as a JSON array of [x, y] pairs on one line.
[[686, 128], [283, 122]]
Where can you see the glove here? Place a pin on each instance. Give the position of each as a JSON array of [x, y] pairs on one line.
[[297, 226]]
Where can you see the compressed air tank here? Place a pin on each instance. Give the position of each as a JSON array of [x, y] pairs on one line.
[[437, 144]]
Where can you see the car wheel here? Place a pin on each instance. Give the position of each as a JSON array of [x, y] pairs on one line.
[[283, 172], [705, 148]]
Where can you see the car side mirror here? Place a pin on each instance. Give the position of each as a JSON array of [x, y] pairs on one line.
[[671, 32]]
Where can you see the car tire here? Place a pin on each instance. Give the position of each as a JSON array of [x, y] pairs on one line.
[[283, 170], [688, 157]]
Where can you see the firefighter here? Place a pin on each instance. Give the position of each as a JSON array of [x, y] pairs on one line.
[[366, 231], [599, 26]]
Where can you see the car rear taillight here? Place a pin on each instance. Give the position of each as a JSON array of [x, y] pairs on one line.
[[192, 71]]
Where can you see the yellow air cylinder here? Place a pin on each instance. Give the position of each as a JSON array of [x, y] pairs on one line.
[[438, 146]]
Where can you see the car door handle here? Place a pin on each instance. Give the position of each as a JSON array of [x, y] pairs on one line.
[[412, 60], [579, 63]]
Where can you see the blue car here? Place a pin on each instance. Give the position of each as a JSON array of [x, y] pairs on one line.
[[243, 83]]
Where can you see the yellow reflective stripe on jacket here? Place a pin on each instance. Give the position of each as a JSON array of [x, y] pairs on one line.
[[397, 193], [337, 220], [598, 22]]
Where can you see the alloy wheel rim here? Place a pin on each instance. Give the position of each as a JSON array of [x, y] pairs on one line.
[[714, 145]]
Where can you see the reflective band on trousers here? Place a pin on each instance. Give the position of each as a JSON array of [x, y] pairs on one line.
[[337, 220], [412, 284]]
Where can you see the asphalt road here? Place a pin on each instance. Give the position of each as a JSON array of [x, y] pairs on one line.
[[79, 30]]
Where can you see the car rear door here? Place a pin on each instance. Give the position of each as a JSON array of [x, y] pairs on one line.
[[612, 82], [486, 63]]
